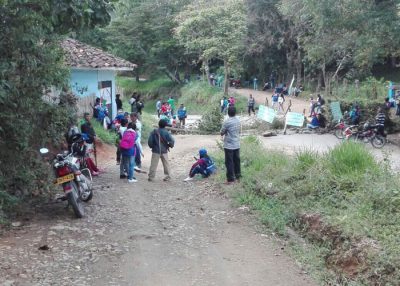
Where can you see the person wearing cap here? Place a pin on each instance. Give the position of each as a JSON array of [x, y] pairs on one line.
[[118, 101], [204, 166], [160, 141]]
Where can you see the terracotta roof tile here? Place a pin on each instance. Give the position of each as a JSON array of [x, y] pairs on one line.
[[80, 55]]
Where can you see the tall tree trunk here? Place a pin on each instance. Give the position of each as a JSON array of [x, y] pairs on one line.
[[226, 81], [207, 70], [137, 77], [326, 84], [170, 75], [298, 66], [319, 84]]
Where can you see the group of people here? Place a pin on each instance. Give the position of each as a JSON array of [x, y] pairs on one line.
[[166, 111], [82, 143], [160, 141], [225, 103], [135, 102], [129, 152], [129, 147]]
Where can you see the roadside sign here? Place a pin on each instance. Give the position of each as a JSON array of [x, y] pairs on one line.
[[295, 119], [261, 110], [336, 111], [266, 113]]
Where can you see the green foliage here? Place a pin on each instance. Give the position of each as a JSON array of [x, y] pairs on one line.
[[142, 32], [149, 122], [200, 97], [107, 136], [153, 88], [349, 159], [354, 195], [31, 62], [369, 89], [211, 121], [214, 29]]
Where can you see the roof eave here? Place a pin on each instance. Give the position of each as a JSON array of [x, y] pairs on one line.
[[104, 68]]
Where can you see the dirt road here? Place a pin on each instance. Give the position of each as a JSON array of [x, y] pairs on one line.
[[298, 104], [147, 234]]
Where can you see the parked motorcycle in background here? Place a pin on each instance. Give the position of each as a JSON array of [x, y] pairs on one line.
[[367, 134], [76, 185]]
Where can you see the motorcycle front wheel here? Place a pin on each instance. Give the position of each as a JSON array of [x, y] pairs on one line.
[[75, 201], [378, 141], [339, 133]]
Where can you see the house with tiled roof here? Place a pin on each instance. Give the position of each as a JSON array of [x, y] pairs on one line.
[[93, 73]]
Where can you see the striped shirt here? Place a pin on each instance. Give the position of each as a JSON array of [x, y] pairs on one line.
[[380, 119], [231, 130]]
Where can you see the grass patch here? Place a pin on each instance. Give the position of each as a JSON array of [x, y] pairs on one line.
[[355, 199], [148, 88], [107, 136], [148, 122], [200, 97]]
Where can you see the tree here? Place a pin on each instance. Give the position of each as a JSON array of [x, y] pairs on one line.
[[214, 30], [340, 35], [31, 62], [142, 32]]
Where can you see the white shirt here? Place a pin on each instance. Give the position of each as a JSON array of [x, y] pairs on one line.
[[122, 130]]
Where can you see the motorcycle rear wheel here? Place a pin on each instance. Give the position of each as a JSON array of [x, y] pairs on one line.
[[75, 201], [378, 141]]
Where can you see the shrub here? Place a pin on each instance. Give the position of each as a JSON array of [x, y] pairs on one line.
[[211, 121], [350, 158], [107, 136], [200, 97], [277, 124]]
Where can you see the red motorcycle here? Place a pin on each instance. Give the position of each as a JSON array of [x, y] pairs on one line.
[[369, 133], [340, 129], [77, 187], [235, 83]]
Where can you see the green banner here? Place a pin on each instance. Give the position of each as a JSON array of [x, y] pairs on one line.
[[266, 113], [336, 111], [295, 119], [261, 110]]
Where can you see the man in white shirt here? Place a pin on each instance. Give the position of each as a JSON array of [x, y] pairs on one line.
[[139, 149]]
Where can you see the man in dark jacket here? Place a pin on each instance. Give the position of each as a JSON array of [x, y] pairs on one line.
[[160, 140], [88, 129], [118, 101]]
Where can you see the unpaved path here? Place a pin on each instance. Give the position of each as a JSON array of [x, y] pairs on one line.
[[148, 234], [298, 104]]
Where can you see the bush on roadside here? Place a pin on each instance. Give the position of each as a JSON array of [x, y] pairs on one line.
[[211, 121], [200, 97]]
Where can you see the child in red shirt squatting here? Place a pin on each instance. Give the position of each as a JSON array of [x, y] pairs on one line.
[[204, 166]]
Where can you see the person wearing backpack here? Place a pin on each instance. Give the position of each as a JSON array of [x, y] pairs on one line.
[[204, 166], [127, 146], [160, 141]]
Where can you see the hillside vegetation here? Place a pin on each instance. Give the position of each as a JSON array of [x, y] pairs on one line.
[[343, 201]]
